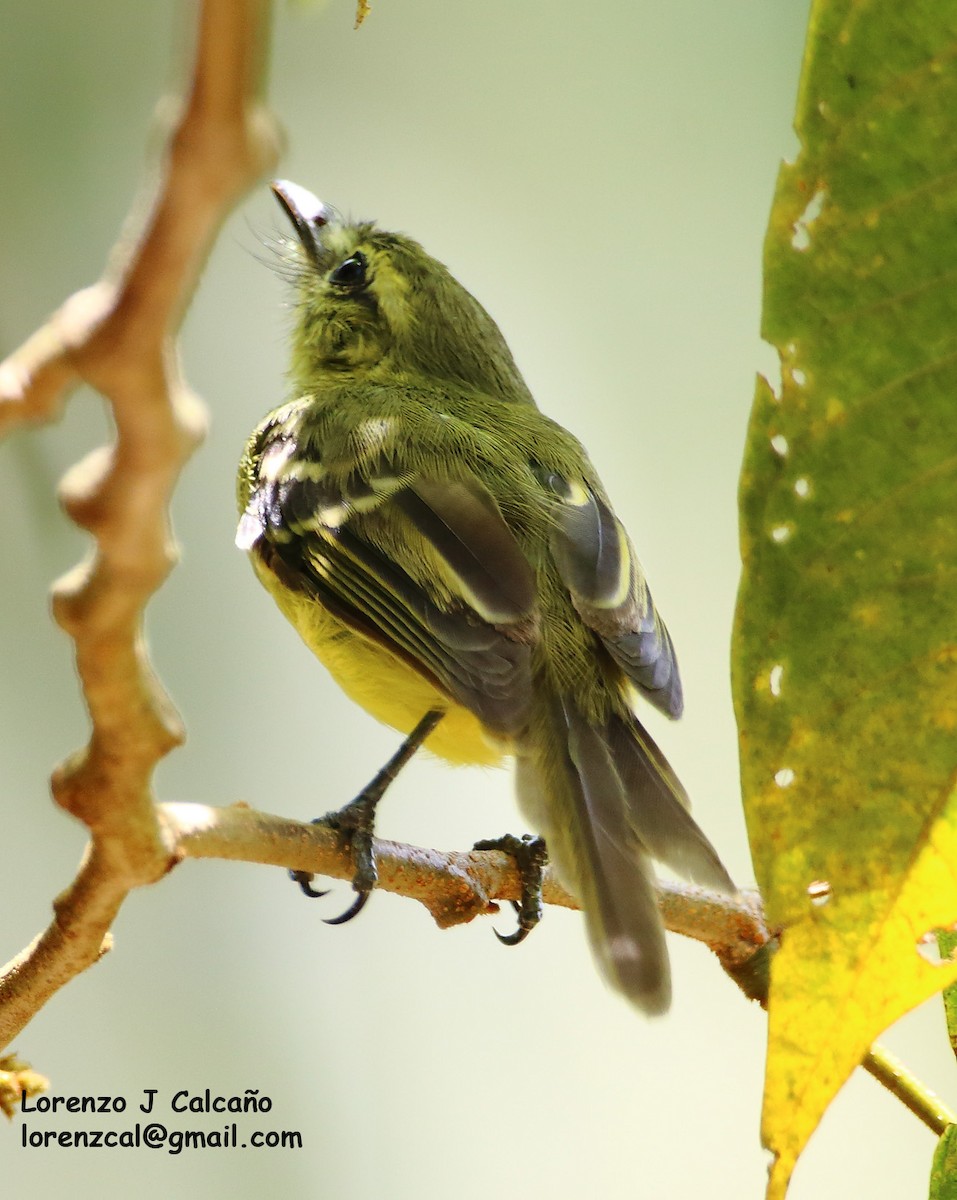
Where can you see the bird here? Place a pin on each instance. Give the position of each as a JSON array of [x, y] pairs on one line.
[[451, 556]]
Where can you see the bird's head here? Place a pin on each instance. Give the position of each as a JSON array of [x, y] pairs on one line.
[[373, 305]]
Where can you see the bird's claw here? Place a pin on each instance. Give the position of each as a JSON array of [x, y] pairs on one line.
[[353, 910], [520, 934], [531, 855], [304, 879], [354, 824]]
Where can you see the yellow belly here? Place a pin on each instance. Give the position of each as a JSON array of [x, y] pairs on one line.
[[385, 686]]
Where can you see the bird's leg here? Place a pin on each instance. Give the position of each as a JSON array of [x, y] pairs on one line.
[[356, 822], [531, 855]]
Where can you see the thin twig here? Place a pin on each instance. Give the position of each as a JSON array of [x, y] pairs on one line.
[[889, 1071]]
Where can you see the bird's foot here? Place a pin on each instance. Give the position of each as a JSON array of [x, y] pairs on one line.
[[531, 855], [355, 824]]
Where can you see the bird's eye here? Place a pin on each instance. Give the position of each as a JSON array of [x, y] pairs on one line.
[[351, 273]]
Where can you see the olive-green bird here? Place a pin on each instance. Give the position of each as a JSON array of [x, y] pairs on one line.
[[444, 548]]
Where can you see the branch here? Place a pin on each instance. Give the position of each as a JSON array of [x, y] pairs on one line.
[[117, 337], [454, 886]]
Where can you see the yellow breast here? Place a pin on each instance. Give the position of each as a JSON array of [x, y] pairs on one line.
[[385, 686]]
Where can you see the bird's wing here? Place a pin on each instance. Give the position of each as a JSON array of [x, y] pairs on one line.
[[471, 637], [597, 563]]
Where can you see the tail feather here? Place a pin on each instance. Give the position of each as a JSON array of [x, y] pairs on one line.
[[607, 802], [658, 808], [623, 921]]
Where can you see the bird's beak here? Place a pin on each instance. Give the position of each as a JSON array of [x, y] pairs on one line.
[[307, 213]]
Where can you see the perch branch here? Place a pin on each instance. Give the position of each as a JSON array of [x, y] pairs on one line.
[[454, 886], [117, 336]]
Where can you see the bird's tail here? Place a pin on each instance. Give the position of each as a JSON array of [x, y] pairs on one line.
[[607, 802]]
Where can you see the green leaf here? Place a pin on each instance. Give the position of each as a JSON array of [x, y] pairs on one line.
[[845, 650], [947, 945], [943, 1173]]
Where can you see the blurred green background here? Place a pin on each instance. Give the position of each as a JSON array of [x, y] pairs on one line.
[[600, 178]]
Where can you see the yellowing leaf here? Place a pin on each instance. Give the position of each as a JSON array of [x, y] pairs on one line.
[[845, 655], [842, 974]]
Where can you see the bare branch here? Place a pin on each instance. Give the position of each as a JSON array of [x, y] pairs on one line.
[[117, 337]]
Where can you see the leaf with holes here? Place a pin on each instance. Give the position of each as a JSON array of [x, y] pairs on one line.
[[845, 648]]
